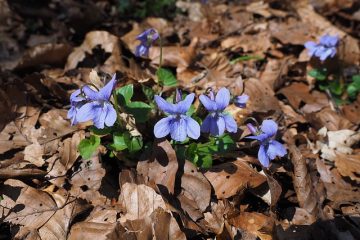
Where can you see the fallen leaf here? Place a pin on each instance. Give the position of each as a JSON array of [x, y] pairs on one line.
[[162, 166], [258, 224], [139, 201], [231, 178], [348, 165], [302, 182]]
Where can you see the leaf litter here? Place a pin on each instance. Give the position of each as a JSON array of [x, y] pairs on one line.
[[48, 191]]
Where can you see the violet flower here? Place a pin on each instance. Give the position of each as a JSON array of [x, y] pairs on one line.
[[269, 148], [146, 38], [325, 48], [240, 101], [88, 104], [77, 100], [217, 121], [177, 123]]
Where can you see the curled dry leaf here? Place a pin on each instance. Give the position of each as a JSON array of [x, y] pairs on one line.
[[108, 42], [291, 31], [338, 142], [231, 178], [33, 153], [60, 163], [256, 44], [330, 119], [299, 93], [139, 201], [35, 209], [42, 54], [86, 181], [98, 225], [351, 111], [261, 95], [196, 191], [257, 224], [303, 185], [337, 190], [348, 166], [162, 166]]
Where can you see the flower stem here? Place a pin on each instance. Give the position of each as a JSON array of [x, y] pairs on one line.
[[161, 52]]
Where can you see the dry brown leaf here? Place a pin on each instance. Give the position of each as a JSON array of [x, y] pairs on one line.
[[46, 53], [298, 93], [275, 72], [165, 226], [256, 44], [330, 119], [302, 182], [231, 178], [139, 201], [33, 153], [196, 191], [348, 166], [35, 209], [261, 95], [60, 163], [108, 42], [291, 32], [87, 180], [162, 166], [337, 190], [215, 219], [351, 111], [255, 223], [98, 225]]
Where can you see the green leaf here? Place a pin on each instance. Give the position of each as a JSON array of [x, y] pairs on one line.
[[140, 110], [125, 93], [149, 92], [88, 146], [119, 143], [354, 88], [134, 144], [246, 58], [336, 88], [101, 132], [166, 77], [318, 74], [205, 161]]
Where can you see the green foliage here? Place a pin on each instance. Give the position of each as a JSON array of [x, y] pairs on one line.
[[334, 84], [88, 146], [354, 87], [119, 143], [166, 77], [318, 74], [142, 9], [139, 110], [246, 58], [202, 154], [133, 144]]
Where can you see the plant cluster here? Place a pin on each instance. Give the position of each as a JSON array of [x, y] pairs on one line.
[[330, 79], [109, 109]]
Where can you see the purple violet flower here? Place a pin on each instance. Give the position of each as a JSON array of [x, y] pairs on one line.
[[240, 101], [88, 104], [77, 100], [269, 148], [325, 48], [177, 123], [217, 121], [146, 38]]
